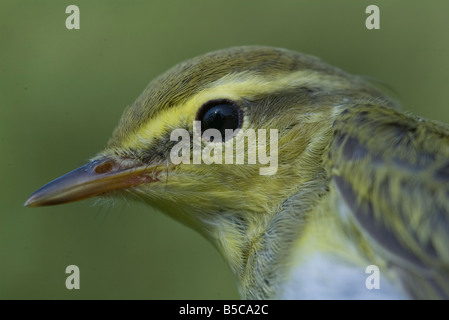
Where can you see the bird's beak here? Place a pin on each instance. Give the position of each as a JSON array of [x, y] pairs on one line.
[[92, 179]]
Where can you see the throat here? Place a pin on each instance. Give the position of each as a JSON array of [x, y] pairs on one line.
[[252, 252], [298, 253], [259, 248]]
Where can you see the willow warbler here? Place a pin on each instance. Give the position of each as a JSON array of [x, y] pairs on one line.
[[357, 186]]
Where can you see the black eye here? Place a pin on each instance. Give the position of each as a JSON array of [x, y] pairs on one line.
[[219, 115]]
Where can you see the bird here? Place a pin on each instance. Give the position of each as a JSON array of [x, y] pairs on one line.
[[355, 202]]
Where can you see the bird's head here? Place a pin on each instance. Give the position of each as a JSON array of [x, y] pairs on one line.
[[246, 89]]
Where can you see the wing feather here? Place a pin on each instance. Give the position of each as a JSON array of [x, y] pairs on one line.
[[392, 171]]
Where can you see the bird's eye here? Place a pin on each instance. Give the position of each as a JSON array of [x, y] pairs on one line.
[[219, 115]]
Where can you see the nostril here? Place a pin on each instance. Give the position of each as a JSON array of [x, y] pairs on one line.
[[104, 167]]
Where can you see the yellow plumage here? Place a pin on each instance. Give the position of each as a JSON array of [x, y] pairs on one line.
[[356, 183]]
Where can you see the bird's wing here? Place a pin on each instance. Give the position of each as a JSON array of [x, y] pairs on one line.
[[392, 172]]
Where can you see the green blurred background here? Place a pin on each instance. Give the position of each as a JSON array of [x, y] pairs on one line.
[[63, 91]]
